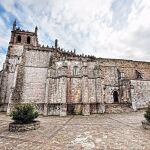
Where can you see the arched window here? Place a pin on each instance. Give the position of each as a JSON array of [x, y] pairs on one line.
[[28, 40], [19, 39], [119, 74], [75, 70]]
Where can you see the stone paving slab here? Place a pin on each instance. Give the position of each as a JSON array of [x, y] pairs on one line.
[[95, 132]]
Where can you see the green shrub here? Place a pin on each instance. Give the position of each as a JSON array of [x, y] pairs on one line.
[[147, 114], [24, 113]]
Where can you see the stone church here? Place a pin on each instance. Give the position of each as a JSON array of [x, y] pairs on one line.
[[60, 82]]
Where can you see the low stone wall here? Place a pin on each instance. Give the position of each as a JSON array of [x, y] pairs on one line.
[[146, 125], [14, 127]]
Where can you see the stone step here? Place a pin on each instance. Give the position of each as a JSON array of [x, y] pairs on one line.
[[118, 108]]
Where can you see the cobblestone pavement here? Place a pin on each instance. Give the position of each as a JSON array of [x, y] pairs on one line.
[[108, 131]]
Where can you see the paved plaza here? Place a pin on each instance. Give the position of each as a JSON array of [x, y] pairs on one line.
[[95, 132]]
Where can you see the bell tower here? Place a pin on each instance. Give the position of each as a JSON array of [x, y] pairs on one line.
[[22, 37]]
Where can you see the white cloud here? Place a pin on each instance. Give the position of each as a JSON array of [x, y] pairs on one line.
[[92, 27]]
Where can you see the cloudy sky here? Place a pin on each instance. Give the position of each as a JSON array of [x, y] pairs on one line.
[[104, 28]]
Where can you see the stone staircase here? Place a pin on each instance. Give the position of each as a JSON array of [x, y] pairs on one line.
[[118, 108]]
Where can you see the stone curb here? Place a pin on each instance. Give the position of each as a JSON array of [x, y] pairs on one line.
[[14, 127], [146, 125]]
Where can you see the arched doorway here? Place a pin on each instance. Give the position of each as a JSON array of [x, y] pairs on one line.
[[115, 97]]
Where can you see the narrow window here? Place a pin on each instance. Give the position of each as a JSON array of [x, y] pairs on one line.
[[19, 39], [28, 40], [75, 71]]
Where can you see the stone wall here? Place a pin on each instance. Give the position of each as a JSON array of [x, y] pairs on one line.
[[15, 50], [57, 82], [8, 82], [35, 75], [34, 84], [3, 79], [52, 85], [112, 82], [74, 90], [128, 67], [37, 58], [1, 74], [76, 84], [140, 93]]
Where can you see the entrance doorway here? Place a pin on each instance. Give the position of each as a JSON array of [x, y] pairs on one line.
[[115, 97]]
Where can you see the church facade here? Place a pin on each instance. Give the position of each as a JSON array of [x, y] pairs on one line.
[[61, 83]]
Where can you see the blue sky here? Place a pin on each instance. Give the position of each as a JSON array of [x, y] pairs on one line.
[[104, 28]]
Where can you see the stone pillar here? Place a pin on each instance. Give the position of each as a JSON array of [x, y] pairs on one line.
[[100, 103], [63, 89], [98, 90], [101, 108], [86, 109], [63, 110], [134, 103], [45, 113], [9, 107], [3, 86], [10, 102], [63, 106], [85, 97]]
